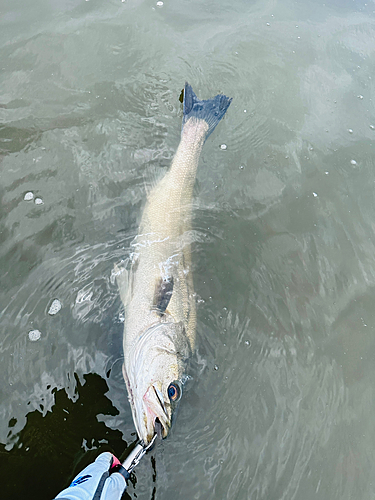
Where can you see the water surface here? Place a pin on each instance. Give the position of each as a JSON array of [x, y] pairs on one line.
[[281, 403]]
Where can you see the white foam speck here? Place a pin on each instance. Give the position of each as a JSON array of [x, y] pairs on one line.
[[353, 162], [160, 4], [28, 196], [315, 195], [55, 307], [350, 130], [34, 335], [39, 201], [372, 127], [223, 146], [360, 96]]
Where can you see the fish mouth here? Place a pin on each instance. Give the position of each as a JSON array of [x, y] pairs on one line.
[[155, 415]]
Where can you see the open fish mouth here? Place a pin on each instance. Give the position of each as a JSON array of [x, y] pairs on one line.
[[156, 419]]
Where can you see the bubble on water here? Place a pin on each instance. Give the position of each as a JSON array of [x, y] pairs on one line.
[[315, 195], [360, 96], [160, 4], [326, 173], [247, 342], [245, 110], [353, 162], [241, 167], [28, 196], [223, 146], [55, 307], [216, 368], [121, 317], [372, 127], [34, 335], [268, 24], [350, 130], [39, 201]]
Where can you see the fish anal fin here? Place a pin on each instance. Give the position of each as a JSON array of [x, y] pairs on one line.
[[154, 175]]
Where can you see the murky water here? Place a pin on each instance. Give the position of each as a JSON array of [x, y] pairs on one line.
[[281, 405]]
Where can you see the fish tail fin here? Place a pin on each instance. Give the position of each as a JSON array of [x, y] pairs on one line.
[[211, 110]]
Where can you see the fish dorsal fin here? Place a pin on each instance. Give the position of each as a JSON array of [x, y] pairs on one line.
[[163, 294], [122, 278]]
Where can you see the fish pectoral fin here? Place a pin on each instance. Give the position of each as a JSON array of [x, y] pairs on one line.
[[122, 278], [163, 294]]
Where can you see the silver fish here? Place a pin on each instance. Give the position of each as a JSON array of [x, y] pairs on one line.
[[157, 291]]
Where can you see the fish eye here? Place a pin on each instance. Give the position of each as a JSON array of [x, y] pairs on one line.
[[174, 392]]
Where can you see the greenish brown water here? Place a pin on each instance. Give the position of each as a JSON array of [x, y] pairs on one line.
[[281, 403]]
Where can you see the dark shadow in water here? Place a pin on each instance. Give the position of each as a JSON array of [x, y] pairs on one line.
[[47, 453], [13, 140]]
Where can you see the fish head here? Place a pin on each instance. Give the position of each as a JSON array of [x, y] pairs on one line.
[[154, 374]]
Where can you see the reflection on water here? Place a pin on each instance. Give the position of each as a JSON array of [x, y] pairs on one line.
[[52, 448], [281, 404]]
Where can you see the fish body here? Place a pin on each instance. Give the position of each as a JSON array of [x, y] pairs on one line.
[[157, 291]]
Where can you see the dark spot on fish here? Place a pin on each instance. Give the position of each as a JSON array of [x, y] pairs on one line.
[[181, 98], [134, 265], [163, 295]]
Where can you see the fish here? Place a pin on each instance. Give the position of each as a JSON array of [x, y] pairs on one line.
[[156, 287]]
